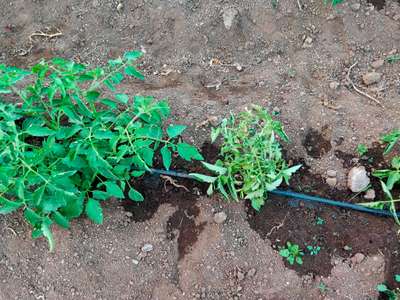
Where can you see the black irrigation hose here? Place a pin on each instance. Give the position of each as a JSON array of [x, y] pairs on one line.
[[299, 196]]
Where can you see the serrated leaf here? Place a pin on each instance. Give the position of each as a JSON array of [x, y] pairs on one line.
[[32, 217], [113, 189], [175, 130], [94, 211], [188, 152], [135, 195], [123, 98], [60, 220], [7, 206], [214, 168], [39, 131], [131, 71], [46, 229], [203, 178], [92, 96], [132, 55], [166, 156]]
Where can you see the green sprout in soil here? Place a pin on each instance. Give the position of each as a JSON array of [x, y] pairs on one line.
[[393, 58], [292, 253], [391, 139], [392, 294], [251, 163], [320, 221], [313, 250], [389, 178], [362, 149], [71, 140], [333, 2]]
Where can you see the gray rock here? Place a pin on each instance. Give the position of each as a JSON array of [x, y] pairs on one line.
[[377, 63], [220, 217], [355, 6], [251, 272], [334, 85], [331, 181], [240, 276], [357, 258], [371, 78], [331, 173], [370, 194], [357, 179], [147, 248], [229, 16]]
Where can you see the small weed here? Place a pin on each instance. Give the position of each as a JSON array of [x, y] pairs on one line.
[[391, 294], [362, 149], [320, 221], [322, 287], [393, 58], [251, 163], [391, 140], [389, 178], [333, 2], [314, 250], [292, 253]]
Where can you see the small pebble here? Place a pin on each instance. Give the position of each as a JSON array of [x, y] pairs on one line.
[[334, 85], [371, 78], [370, 194], [331, 173], [357, 258], [377, 63], [331, 181], [357, 179], [220, 217], [251, 272], [147, 248], [355, 6]]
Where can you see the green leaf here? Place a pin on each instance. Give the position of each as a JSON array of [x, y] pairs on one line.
[[175, 130], [60, 220], [7, 206], [188, 152], [166, 157], [381, 288], [100, 195], [299, 260], [132, 55], [203, 178], [131, 71], [32, 217], [46, 224], [257, 203], [110, 103], [39, 131], [284, 252], [397, 277], [92, 96], [135, 195], [215, 168], [94, 211], [113, 189], [123, 98]]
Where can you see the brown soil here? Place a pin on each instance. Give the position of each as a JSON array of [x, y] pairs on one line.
[[288, 57]]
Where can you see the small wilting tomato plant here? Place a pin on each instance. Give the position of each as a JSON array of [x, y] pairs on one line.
[[251, 162], [69, 140]]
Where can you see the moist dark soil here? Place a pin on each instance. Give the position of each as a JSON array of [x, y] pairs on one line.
[[342, 233], [158, 190]]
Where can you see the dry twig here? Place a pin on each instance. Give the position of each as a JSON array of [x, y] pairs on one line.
[[173, 182], [277, 226], [39, 33], [357, 89]]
